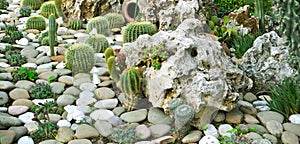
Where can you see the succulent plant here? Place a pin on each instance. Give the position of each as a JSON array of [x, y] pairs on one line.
[[98, 42], [12, 34], [100, 23], [3, 4], [33, 4], [48, 8], [36, 22], [47, 107], [108, 52], [115, 20], [52, 33], [17, 60], [45, 131], [135, 29], [58, 4], [25, 11], [75, 24], [80, 58], [183, 116], [41, 91], [124, 134], [24, 73], [174, 103]]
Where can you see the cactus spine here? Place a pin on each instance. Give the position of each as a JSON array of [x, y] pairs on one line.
[[33, 4], [75, 24], [36, 22], [48, 8], [98, 42], [52, 33], [135, 29], [259, 12], [115, 20], [80, 58], [59, 10], [130, 84], [100, 24]]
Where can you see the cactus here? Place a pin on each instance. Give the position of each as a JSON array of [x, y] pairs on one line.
[[59, 10], [75, 24], [100, 24], [183, 116], [108, 52], [25, 11], [48, 8], [112, 69], [52, 33], [259, 12], [98, 42], [3, 4], [115, 20], [135, 29], [33, 4], [80, 58], [36, 22], [130, 85], [174, 103]]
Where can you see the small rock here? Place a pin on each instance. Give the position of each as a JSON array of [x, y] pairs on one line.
[[193, 137], [43, 60], [22, 41], [47, 75], [294, 118], [54, 117], [159, 130], [104, 93], [50, 142], [19, 93], [106, 104], [249, 119], [62, 71], [86, 93], [261, 141], [266, 116], [72, 91], [7, 120], [253, 136], [64, 100], [235, 116], [294, 128], [19, 131], [64, 134], [134, 116], [247, 108], [211, 130], [8, 135], [57, 87], [68, 80], [6, 85], [80, 141], [24, 84], [26, 117], [101, 114], [23, 102], [143, 132], [63, 123], [103, 127], [6, 76], [115, 121], [17, 110], [250, 97], [263, 108], [224, 130], [3, 98], [260, 103], [271, 138], [25, 140], [208, 139], [86, 131], [274, 127], [219, 117], [119, 110], [87, 86], [85, 101], [78, 82], [289, 138], [74, 113], [157, 116], [257, 128]]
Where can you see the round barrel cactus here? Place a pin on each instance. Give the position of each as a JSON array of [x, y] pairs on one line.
[[135, 29], [115, 20], [98, 42], [36, 22], [100, 23]]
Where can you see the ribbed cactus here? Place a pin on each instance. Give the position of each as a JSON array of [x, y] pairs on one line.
[[98, 42], [48, 8], [52, 33], [135, 29], [108, 52], [33, 4], [25, 11], [59, 10], [130, 84], [259, 12], [36, 22], [80, 58], [100, 23], [115, 20], [75, 24], [183, 116], [112, 69], [174, 103]]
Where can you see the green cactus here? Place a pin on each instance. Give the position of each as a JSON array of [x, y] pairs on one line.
[[174, 103], [36, 22], [108, 52], [52, 33], [259, 12], [59, 10], [183, 116], [33, 4], [3, 4], [115, 20], [48, 8], [100, 23], [135, 29], [75, 24], [130, 85], [98, 42], [111, 66], [80, 58], [25, 11]]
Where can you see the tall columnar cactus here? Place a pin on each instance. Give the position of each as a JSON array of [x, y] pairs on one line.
[[75, 24], [52, 33], [183, 116], [259, 12], [59, 10], [135, 29], [80, 58], [36, 22], [287, 15], [48, 8], [100, 23], [98, 42], [130, 84], [115, 20], [33, 4]]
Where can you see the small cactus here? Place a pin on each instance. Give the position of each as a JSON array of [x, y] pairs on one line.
[[135, 29], [174, 103], [59, 10], [36, 22], [25, 11], [48, 8], [98, 42], [183, 116], [75, 24], [33, 4], [80, 58], [115, 20], [52, 33], [112, 70], [130, 84], [100, 23], [108, 52]]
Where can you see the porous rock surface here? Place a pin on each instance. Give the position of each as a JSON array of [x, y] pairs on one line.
[[197, 70]]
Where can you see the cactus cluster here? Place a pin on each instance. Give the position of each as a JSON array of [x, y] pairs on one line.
[[98, 42], [115, 20], [25, 11], [110, 60], [80, 58], [33, 4], [36, 22], [75, 24], [135, 29], [52, 33], [48, 8], [100, 23]]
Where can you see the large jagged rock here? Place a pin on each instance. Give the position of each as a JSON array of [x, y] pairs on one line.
[[86, 9], [197, 70], [267, 61]]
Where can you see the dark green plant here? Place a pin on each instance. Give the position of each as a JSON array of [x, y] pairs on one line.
[[11, 34], [75, 24], [242, 43], [286, 97], [124, 134], [33, 4], [98, 42], [48, 8], [100, 23], [115, 20], [3, 4], [16, 60], [45, 131], [25, 11], [154, 56], [58, 6], [36, 22], [52, 33], [111, 64], [24, 73], [135, 29], [42, 36], [41, 111], [41, 91], [259, 13]]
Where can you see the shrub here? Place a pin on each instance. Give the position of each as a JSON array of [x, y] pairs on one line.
[[135, 29], [41, 91], [24, 73], [100, 23], [25, 11], [36, 22], [33, 4]]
